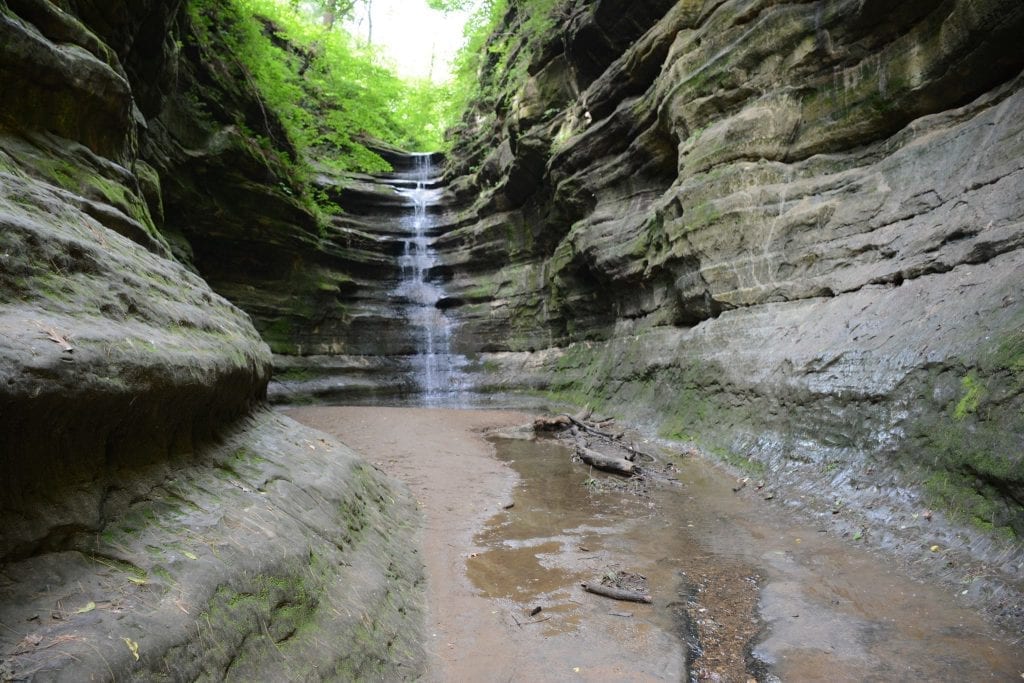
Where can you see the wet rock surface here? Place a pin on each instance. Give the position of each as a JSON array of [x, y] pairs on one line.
[[788, 233], [791, 234], [280, 554], [157, 521]]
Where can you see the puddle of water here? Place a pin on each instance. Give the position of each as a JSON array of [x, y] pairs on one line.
[[830, 611], [561, 533]]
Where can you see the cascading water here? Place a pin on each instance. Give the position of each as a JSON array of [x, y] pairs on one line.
[[438, 371]]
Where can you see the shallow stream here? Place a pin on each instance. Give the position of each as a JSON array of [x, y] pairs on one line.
[[826, 608]]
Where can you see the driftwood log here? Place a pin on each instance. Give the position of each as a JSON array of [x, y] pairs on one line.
[[615, 593], [552, 424], [564, 421], [605, 462]]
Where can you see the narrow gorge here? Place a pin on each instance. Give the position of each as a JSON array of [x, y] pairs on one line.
[[783, 239]]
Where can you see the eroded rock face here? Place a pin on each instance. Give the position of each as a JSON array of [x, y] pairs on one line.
[[278, 554], [735, 157], [232, 208], [113, 358], [791, 233], [143, 483]]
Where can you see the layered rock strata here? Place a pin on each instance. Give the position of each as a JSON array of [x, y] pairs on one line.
[[157, 521], [790, 233]]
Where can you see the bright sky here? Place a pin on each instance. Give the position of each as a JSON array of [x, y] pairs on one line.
[[411, 34]]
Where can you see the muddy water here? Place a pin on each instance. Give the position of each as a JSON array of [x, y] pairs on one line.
[[826, 610], [560, 533]]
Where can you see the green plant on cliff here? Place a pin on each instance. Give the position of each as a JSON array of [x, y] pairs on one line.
[[330, 94], [974, 391], [501, 37], [975, 470]]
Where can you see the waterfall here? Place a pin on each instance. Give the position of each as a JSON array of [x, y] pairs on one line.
[[438, 372]]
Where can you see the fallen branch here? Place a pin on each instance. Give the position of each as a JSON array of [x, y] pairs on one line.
[[615, 593], [590, 430], [605, 462]]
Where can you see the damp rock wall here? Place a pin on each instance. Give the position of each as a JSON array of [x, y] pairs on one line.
[[789, 233], [158, 521]]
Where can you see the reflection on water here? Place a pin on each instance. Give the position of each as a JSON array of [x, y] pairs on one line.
[[832, 611]]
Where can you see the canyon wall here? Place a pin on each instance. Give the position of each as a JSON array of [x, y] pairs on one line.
[[790, 233], [787, 232], [158, 519]]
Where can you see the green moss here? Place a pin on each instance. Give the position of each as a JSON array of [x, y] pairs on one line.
[[278, 335], [281, 604], [700, 216], [749, 465], [696, 135], [164, 575], [483, 290], [128, 568], [961, 497], [244, 455], [1009, 357], [974, 392], [572, 397], [688, 412], [971, 454], [64, 179], [84, 181]]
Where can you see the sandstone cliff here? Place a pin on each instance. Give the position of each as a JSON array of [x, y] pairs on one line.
[[790, 233], [157, 521]]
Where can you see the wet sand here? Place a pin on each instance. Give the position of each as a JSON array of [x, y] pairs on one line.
[[477, 634], [728, 575], [450, 467]]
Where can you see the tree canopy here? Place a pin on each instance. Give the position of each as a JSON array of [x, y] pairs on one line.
[[450, 5], [333, 93]]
